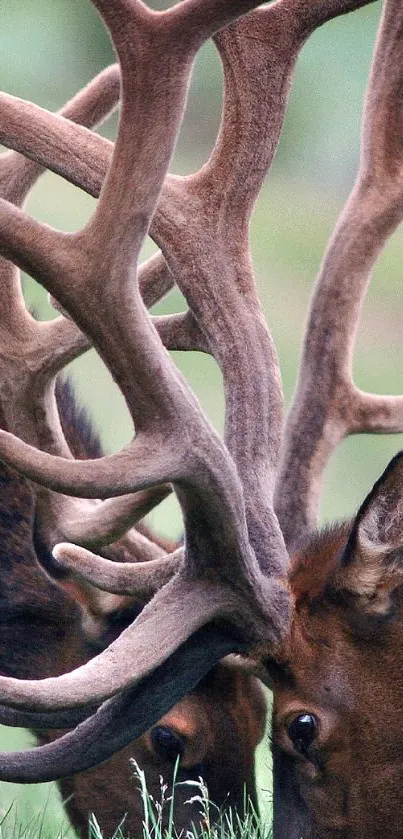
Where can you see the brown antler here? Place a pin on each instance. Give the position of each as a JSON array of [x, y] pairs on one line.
[[99, 262], [327, 405], [204, 475]]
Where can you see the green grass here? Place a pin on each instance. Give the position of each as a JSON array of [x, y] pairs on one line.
[[158, 822], [30, 805]]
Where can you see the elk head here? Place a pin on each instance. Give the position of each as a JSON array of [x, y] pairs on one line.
[[338, 740], [249, 500]]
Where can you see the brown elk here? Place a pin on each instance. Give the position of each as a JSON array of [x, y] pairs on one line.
[[319, 612], [47, 628]]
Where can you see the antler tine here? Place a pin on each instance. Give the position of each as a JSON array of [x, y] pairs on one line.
[[142, 579], [310, 15], [96, 526], [327, 406], [87, 162], [181, 332], [69, 150], [20, 119], [176, 35], [46, 720], [155, 280], [56, 142], [215, 274], [28, 128], [96, 101], [17, 176]]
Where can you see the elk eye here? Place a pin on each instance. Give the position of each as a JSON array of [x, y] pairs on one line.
[[167, 744], [302, 732]]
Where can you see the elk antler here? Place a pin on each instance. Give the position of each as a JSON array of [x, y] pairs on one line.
[[205, 477], [92, 274], [327, 405]]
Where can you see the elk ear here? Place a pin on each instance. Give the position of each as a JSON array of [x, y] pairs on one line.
[[371, 567]]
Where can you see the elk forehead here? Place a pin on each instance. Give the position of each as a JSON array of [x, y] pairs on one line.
[[325, 636]]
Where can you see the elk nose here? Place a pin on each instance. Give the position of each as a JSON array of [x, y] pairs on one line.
[[167, 744]]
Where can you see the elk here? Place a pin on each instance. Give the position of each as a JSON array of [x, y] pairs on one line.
[[46, 631], [318, 612], [50, 625]]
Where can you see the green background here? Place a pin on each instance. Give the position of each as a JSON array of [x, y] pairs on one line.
[[50, 49]]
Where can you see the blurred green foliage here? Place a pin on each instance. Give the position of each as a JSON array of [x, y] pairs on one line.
[[49, 50]]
